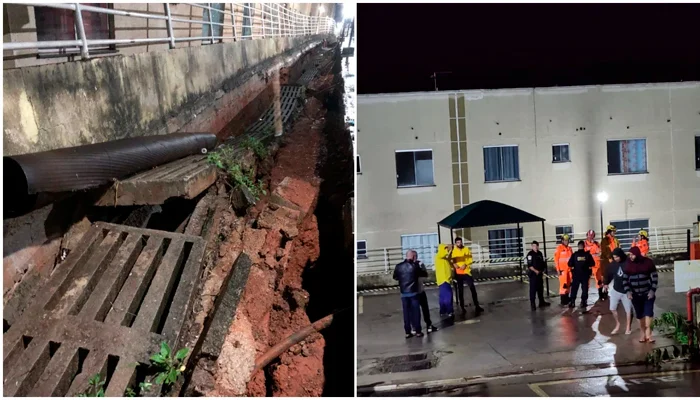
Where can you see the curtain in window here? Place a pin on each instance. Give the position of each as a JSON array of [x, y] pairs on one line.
[[424, 167], [492, 164], [510, 163], [424, 245], [216, 17], [633, 156]]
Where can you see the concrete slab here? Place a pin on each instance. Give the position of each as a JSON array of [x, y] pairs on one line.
[[507, 339], [186, 177], [121, 292]]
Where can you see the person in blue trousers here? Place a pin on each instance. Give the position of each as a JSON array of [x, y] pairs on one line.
[[408, 273]]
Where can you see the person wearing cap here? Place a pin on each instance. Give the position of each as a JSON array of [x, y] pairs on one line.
[[615, 275], [593, 247], [561, 263], [607, 245], [462, 259], [536, 267], [581, 264], [641, 280], [642, 241]]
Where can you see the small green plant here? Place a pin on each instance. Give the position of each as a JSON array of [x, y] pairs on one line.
[[169, 366], [145, 386], [673, 325], [256, 145], [129, 392], [226, 160], [95, 387]]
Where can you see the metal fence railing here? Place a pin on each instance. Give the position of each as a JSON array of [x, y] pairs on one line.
[[257, 20], [662, 241]]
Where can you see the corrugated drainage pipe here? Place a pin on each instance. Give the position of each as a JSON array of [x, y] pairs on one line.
[[34, 180]]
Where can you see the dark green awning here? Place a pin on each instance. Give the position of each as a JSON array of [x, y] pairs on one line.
[[485, 213]]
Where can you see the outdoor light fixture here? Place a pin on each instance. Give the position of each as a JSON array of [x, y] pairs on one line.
[[602, 198]]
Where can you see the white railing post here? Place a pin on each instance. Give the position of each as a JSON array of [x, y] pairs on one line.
[[386, 261], [233, 20], [211, 26], [279, 20], [81, 32], [262, 14], [656, 237], [169, 25]]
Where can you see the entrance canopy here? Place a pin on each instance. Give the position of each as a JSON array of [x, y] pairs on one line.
[[485, 213]]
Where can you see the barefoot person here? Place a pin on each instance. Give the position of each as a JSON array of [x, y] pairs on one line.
[[615, 275], [443, 276], [641, 281], [407, 273]]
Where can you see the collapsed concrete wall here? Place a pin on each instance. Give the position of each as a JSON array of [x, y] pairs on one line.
[[217, 88], [62, 105]]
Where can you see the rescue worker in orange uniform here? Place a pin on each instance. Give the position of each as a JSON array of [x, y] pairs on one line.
[[561, 263], [607, 245], [592, 246], [642, 242]]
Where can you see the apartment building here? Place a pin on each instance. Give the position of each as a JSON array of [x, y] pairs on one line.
[[548, 151]]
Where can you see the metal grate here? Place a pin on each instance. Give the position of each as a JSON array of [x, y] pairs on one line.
[[308, 76], [119, 294], [291, 99]]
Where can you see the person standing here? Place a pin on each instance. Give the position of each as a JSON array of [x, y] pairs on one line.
[[615, 275], [607, 245], [642, 242], [407, 273], [641, 282], [592, 246], [422, 296], [536, 267], [561, 262], [581, 264], [443, 276], [462, 259]]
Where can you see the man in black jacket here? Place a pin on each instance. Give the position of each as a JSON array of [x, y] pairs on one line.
[[581, 264], [536, 267], [407, 273]]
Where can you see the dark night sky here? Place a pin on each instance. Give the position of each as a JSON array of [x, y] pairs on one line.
[[488, 46]]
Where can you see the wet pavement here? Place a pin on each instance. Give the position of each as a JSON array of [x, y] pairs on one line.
[[508, 339]]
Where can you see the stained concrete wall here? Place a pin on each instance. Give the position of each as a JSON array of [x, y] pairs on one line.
[[189, 89], [667, 115], [61, 105]]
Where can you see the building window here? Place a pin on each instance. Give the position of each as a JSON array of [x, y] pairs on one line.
[[59, 24], [414, 168], [216, 17], [501, 163], [424, 244], [627, 156], [627, 230], [505, 243], [361, 249], [560, 153], [564, 229], [697, 153], [357, 165]]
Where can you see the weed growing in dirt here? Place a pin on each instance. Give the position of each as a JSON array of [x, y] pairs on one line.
[[95, 387], [129, 392], [256, 145], [225, 159], [672, 324], [169, 367]]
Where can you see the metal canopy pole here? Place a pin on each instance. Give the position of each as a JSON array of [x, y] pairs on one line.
[[439, 240], [520, 251], [452, 236], [544, 248]]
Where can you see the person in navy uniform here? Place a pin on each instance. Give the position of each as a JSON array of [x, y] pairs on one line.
[[536, 267], [582, 264]]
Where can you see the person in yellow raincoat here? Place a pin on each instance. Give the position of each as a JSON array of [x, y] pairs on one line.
[[443, 276], [561, 263]]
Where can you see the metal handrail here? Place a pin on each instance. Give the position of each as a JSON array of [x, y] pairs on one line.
[[662, 240], [280, 22]]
